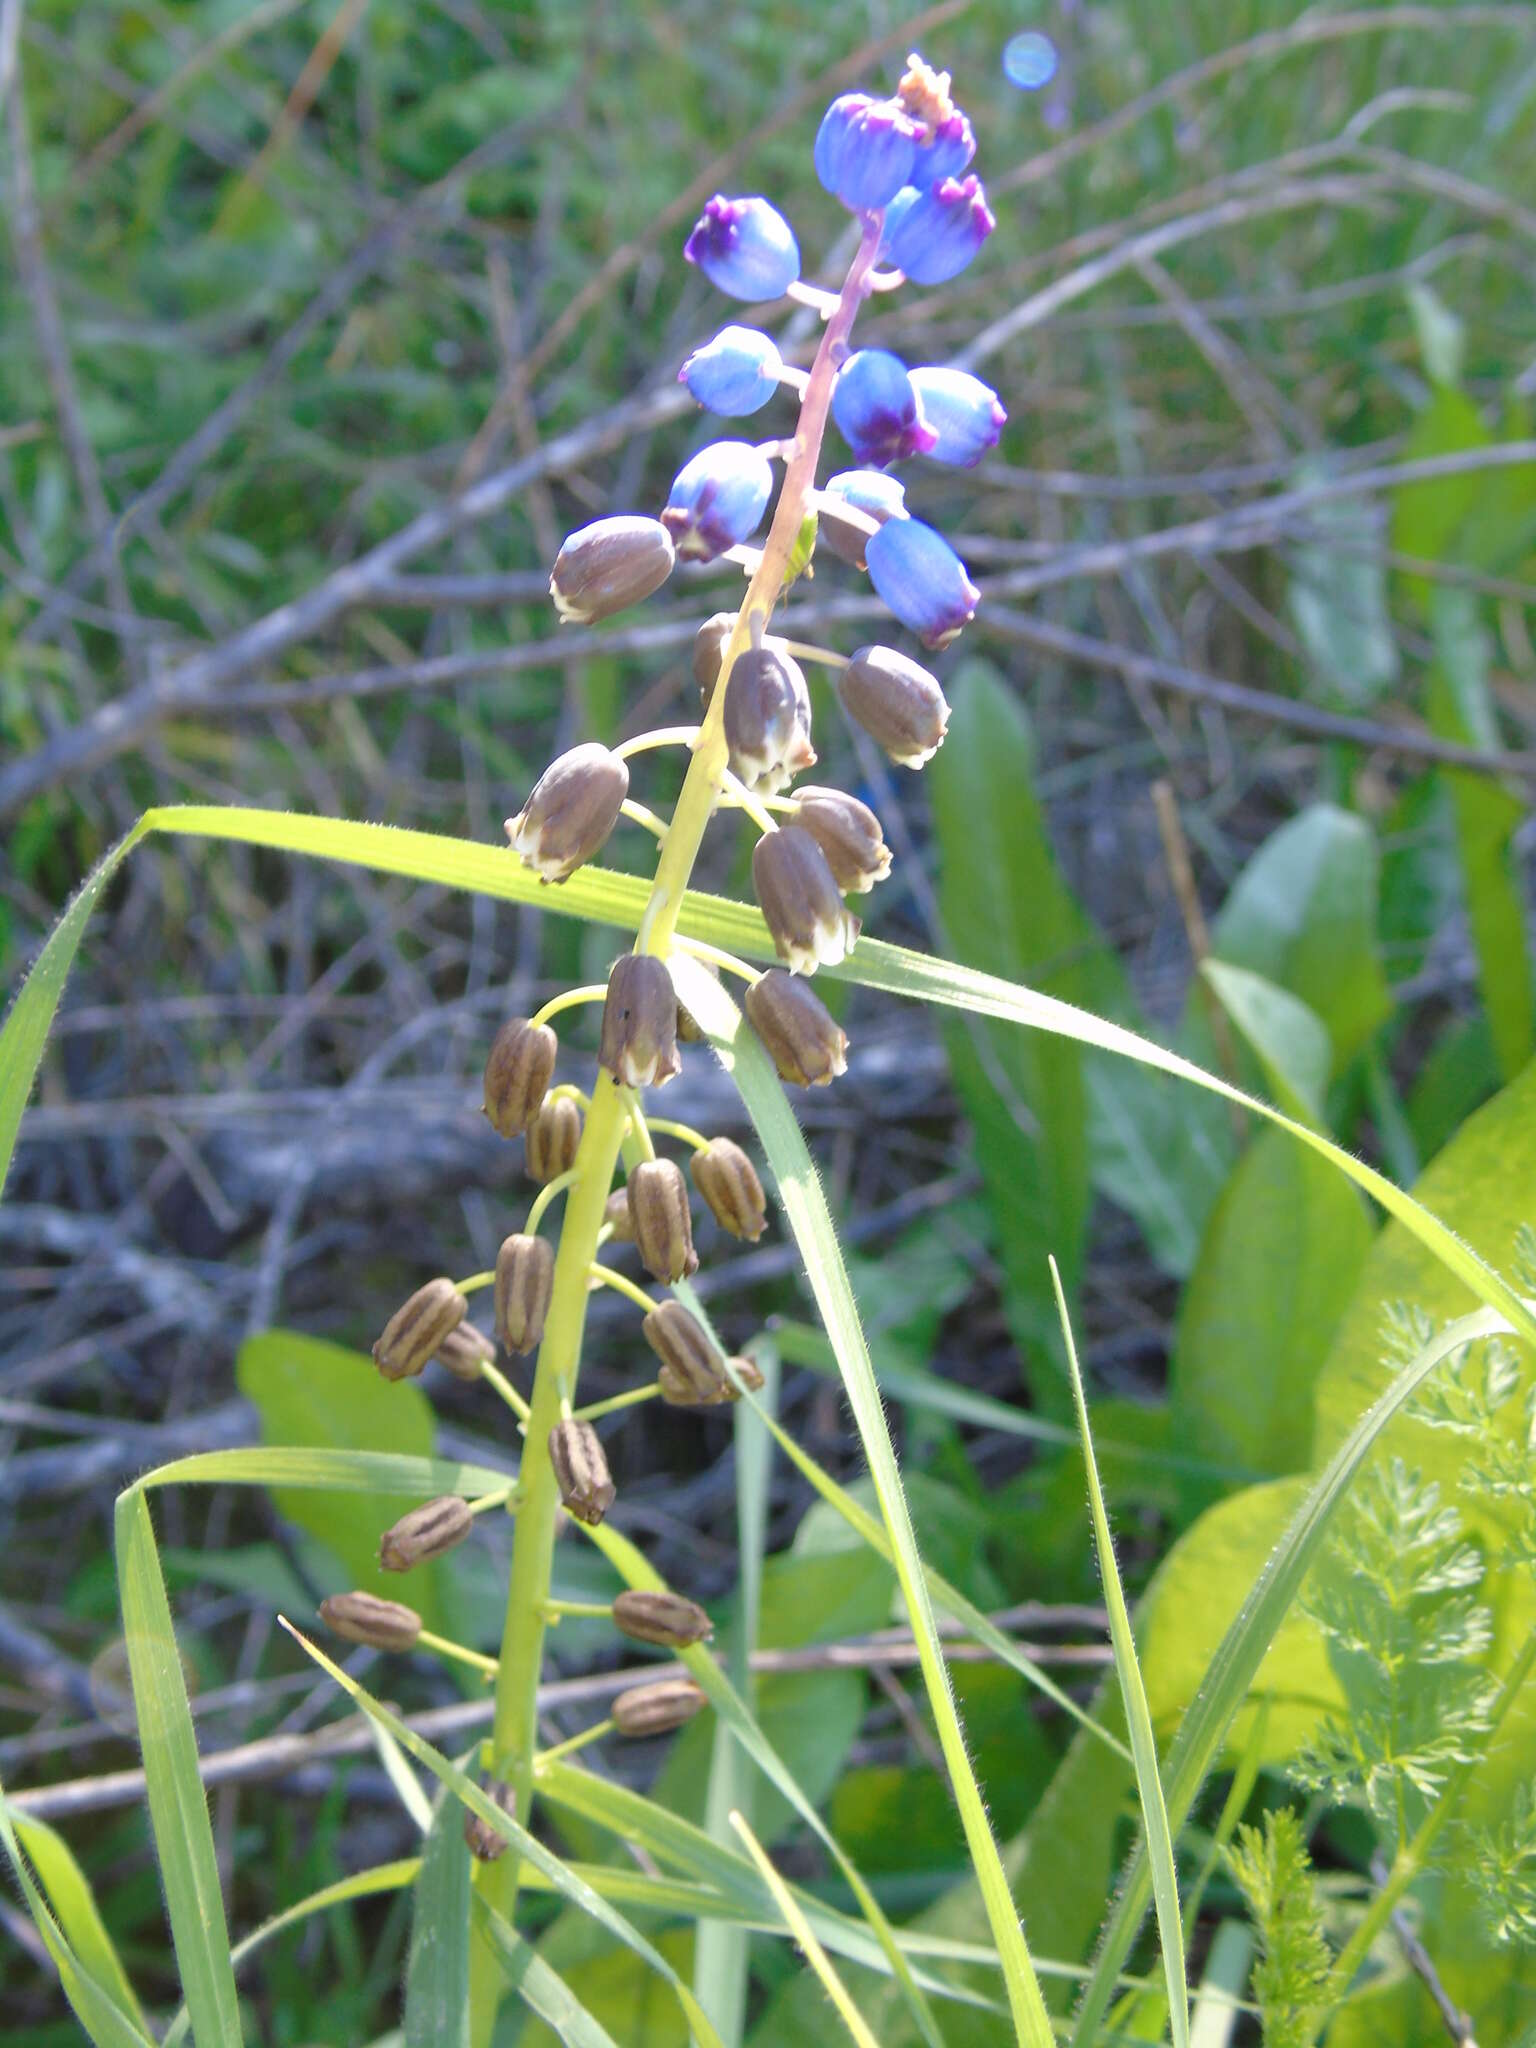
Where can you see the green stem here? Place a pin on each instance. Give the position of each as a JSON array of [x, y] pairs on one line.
[[571, 1744], [671, 1128], [444, 1648], [590, 1610], [616, 1401], [503, 1386], [593, 992], [544, 1197], [622, 1284]]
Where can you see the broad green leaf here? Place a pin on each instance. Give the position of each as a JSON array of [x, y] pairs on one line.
[[1428, 515], [1157, 1152], [1149, 1787], [1278, 1266], [73, 1904], [1303, 914], [1289, 1040], [178, 1808], [437, 1969], [322, 1396], [1459, 1074], [1337, 596]]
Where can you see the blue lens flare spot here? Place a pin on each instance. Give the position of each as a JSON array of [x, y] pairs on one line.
[[1029, 60]]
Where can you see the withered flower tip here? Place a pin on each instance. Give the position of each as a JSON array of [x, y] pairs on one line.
[[657, 1708], [692, 1374], [613, 563], [574, 806], [662, 1222], [728, 1181], [428, 1531], [365, 1618], [553, 1139], [800, 1036], [798, 896], [525, 1284], [416, 1329], [581, 1471], [663, 1618], [639, 1036], [518, 1071]]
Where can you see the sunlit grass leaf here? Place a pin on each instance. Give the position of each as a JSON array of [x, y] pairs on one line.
[[73, 1904], [541, 1989], [815, 1954], [308, 1465], [1289, 1040], [1149, 1785], [437, 1969]]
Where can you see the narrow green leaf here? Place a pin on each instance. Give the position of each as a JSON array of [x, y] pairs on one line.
[[800, 1927], [1149, 1784], [73, 1904], [1289, 1040], [306, 1465], [178, 1808], [437, 1969], [541, 1989]]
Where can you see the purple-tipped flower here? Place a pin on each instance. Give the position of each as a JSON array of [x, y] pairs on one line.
[[864, 150], [921, 578], [948, 151], [965, 414], [718, 499], [735, 374], [745, 247], [868, 491], [877, 409], [933, 234]]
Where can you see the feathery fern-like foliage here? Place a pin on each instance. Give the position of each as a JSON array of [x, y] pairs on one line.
[[1274, 1871]]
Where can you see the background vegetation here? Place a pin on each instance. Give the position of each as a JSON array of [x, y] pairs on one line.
[[1240, 757]]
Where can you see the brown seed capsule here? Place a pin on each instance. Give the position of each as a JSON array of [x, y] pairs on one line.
[[709, 645], [801, 1038], [727, 1179], [639, 1038], [657, 1708], [658, 1206], [553, 1138], [898, 704], [518, 1071], [525, 1283], [485, 1844], [581, 1471], [691, 1375], [749, 1373], [849, 834], [365, 1618], [768, 719], [464, 1350], [798, 896], [664, 1618], [427, 1531], [617, 1214], [416, 1329], [612, 563], [574, 806]]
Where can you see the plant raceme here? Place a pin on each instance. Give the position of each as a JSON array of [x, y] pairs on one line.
[[901, 167]]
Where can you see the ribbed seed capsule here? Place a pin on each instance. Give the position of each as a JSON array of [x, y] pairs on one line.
[[663, 1224], [849, 834], [692, 1374], [608, 565], [365, 1618], [768, 719], [898, 703], [436, 1526], [802, 1039], [581, 1471], [464, 1351], [798, 896], [657, 1708], [664, 1618], [553, 1138], [750, 1374], [639, 1038], [417, 1328], [617, 1215], [485, 1844], [573, 808], [727, 1179], [518, 1071], [525, 1283]]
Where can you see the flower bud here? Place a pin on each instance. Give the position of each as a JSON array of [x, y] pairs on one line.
[[613, 563], [727, 1179], [864, 150], [718, 499], [802, 1039], [485, 1844], [657, 1708], [427, 1531], [798, 896], [966, 415], [658, 1207], [768, 719], [664, 1618], [870, 491], [518, 1071], [933, 233], [553, 1139], [922, 580], [365, 1618], [639, 1037], [849, 834], [574, 806], [948, 151], [745, 247], [525, 1284], [709, 645], [617, 1216], [692, 1374], [735, 374], [878, 410], [464, 1350], [897, 702], [581, 1471], [417, 1327]]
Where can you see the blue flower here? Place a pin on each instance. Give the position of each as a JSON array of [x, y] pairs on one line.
[[864, 150], [964, 413], [736, 373], [920, 577], [745, 247], [717, 499], [948, 151], [877, 409], [932, 235]]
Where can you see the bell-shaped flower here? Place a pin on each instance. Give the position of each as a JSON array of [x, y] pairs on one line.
[[920, 577], [877, 409], [718, 499], [964, 413], [800, 901], [735, 374], [864, 150], [948, 151], [745, 247], [932, 233]]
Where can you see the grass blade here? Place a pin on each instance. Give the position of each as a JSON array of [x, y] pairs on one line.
[[305, 1465], [800, 1927], [72, 1902], [1149, 1785], [178, 1808], [541, 1989], [437, 1969]]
